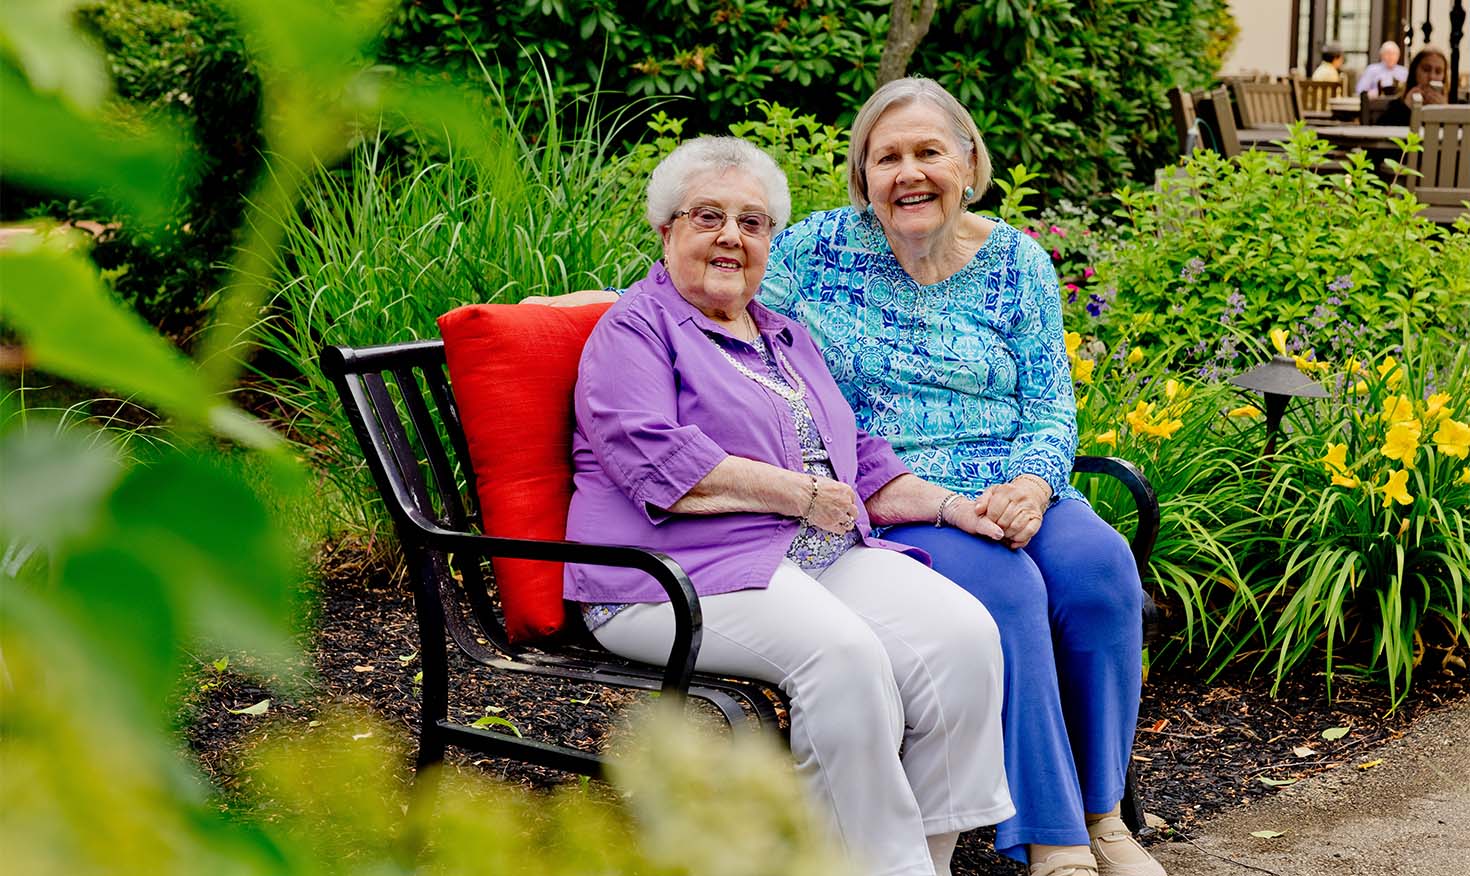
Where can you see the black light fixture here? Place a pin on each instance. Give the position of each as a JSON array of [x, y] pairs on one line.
[[1279, 380]]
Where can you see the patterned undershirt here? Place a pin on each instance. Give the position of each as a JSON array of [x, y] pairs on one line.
[[813, 549]]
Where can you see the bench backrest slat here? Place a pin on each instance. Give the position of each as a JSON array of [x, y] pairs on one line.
[[403, 436]]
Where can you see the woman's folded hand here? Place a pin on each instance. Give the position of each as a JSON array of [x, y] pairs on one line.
[[1016, 507], [834, 508]]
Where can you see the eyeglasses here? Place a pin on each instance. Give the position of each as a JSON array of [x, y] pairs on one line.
[[713, 219]]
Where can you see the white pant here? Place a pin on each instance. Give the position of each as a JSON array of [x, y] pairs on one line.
[[878, 653]]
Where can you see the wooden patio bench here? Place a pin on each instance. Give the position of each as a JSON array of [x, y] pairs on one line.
[[403, 413]]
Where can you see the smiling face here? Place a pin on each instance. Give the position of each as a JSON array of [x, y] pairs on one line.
[[916, 172], [1389, 55], [718, 271]]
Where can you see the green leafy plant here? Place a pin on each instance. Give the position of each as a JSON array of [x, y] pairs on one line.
[[1229, 248]]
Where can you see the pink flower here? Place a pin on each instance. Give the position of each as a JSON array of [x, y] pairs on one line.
[[1058, 231], [1086, 232], [1087, 272], [1032, 231], [1071, 287], [1056, 255]]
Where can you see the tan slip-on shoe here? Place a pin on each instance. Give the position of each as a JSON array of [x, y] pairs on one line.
[[1117, 852], [1065, 863]]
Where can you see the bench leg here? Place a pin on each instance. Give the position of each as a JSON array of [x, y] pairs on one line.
[[1132, 806]]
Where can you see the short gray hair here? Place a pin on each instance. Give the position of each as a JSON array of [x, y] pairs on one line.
[[902, 92], [668, 184]]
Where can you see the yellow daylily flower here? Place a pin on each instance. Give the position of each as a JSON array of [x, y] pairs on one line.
[[1354, 367], [1244, 412], [1453, 438], [1435, 405], [1166, 429], [1082, 370], [1397, 409], [1390, 371], [1110, 438], [1464, 477], [1135, 355], [1278, 340], [1307, 366], [1139, 415], [1344, 480], [1402, 442], [1082, 401], [1397, 489], [1336, 457], [1171, 388], [1074, 343], [1360, 388]]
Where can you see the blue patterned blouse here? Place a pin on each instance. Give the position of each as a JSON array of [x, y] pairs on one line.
[[968, 379]]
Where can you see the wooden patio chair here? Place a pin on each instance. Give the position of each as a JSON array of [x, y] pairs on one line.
[[1266, 104], [1217, 122], [1181, 106], [1444, 165], [1312, 97]]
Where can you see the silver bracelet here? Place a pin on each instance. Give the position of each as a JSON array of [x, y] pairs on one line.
[[944, 506]]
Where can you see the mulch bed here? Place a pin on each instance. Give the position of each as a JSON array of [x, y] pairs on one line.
[[1202, 746]]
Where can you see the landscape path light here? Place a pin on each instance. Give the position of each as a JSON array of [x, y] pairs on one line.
[[1279, 380]]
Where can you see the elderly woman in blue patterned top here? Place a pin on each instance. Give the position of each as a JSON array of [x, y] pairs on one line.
[[944, 331]]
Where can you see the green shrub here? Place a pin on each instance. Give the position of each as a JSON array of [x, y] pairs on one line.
[[1074, 89], [1231, 248]]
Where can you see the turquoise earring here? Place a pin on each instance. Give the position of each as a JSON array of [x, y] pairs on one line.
[[969, 194]]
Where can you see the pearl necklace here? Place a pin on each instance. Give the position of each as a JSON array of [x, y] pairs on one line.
[[786, 392]]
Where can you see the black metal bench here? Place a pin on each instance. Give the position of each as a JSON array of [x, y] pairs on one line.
[[398, 400]]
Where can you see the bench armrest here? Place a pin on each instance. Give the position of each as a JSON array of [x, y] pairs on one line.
[[688, 620], [1144, 500]]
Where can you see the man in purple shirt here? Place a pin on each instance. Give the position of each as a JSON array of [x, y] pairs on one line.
[[709, 428]]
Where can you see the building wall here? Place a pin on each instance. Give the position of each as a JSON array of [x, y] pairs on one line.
[[1264, 43]]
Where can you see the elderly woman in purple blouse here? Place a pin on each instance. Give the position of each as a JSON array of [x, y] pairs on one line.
[[709, 428]]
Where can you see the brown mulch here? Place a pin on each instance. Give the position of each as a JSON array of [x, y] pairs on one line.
[[1203, 746]]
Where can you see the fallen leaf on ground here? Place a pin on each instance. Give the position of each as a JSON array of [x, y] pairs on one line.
[[1268, 834], [1277, 783], [1332, 733], [1154, 821], [259, 708], [1303, 751], [364, 668], [1370, 764]]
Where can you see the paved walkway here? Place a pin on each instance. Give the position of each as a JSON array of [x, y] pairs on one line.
[[1408, 816]]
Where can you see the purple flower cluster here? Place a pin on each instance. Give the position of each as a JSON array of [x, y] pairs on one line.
[[1192, 270], [1234, 306], [1343, 283], [1096, 303]]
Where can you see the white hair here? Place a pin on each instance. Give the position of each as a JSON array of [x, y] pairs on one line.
[[668, 184], [902, 92]]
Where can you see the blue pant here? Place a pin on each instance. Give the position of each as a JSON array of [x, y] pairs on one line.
[[1069, 607]]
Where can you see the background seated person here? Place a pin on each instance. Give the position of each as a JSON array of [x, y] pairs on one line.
[[1427, 75]]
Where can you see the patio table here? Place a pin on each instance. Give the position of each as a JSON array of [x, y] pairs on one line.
[[1370, 137]]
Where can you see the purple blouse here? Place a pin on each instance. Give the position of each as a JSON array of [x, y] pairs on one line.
[[658, 407]]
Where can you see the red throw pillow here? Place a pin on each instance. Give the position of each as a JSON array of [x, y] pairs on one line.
[[513, 367]]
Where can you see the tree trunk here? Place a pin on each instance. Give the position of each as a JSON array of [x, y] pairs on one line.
[[906, 29]]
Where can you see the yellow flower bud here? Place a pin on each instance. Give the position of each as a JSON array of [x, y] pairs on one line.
[[1244, 412], [1171, 388], [1074, 342], [1135, 355], [1110, 438], [1278, 340]]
